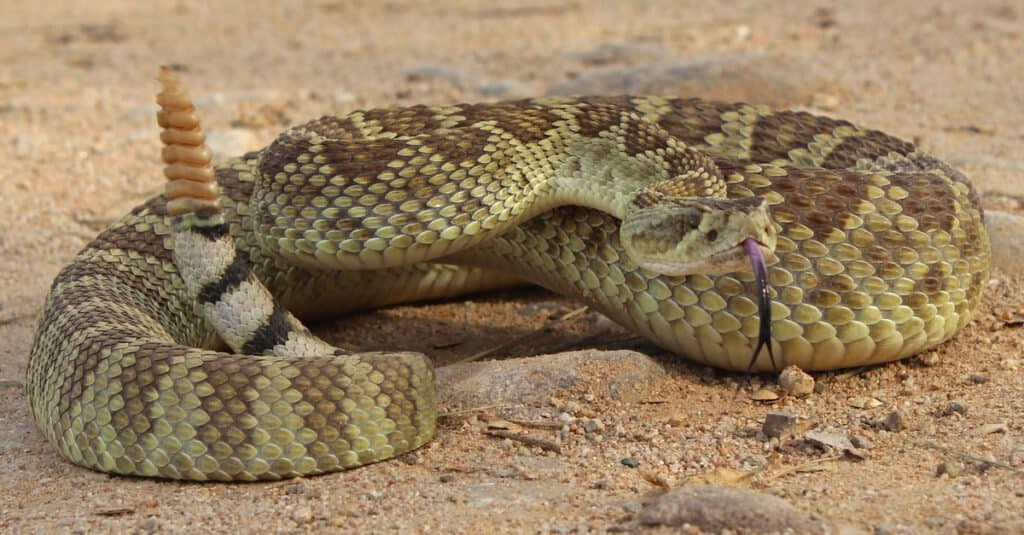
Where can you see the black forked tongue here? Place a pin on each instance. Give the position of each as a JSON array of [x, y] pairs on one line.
[[764, 304]]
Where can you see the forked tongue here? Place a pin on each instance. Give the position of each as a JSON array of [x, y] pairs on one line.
[[764, 306]]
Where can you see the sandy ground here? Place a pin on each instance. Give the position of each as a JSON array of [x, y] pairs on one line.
[[80, 146]]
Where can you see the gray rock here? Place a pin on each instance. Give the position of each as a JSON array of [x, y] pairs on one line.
[[892, 421], [618, 375], [714, 508], [1004, 230], [832, 441], [777, 424], [953, 407]]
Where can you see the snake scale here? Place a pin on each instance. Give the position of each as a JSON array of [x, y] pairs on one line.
[[879, 252]]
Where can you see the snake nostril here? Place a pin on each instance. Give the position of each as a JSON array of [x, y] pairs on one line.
[[712, 235]]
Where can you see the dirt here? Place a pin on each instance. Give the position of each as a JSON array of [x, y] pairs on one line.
[[80, 145]]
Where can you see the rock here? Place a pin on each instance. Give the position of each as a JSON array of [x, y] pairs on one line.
[[150, 525], [833, 441], [796, 381], [714, 508], [953, 407], [892, 421], [1004, 231], [777, 424], [302, 514], [617, 375], [630, 462], [863, 402], [948, 468], [593, 425]]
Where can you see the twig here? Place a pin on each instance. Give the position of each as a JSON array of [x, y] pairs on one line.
[[850, 373], [115, 511], [535, 425], [526, 439], [796, 468], [461, 412]]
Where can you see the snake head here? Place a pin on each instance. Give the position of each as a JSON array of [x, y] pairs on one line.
[[684, 236]]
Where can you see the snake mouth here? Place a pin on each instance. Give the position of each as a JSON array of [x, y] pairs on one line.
[[764, 302]]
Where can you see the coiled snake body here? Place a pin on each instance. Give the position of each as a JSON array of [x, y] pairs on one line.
[[881, 253]]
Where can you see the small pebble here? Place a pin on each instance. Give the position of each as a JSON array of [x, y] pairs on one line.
[[953, 407], [892, 421], [593, 425], [630, 462], [978, 378], [303, 515], [948, 468], [862, 402], [796, 381], [777, 424], [149, 526]]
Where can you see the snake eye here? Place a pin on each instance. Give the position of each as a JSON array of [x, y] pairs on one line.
[[712, 235]]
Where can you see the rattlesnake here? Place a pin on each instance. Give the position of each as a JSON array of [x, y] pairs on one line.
[[881, 253]]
